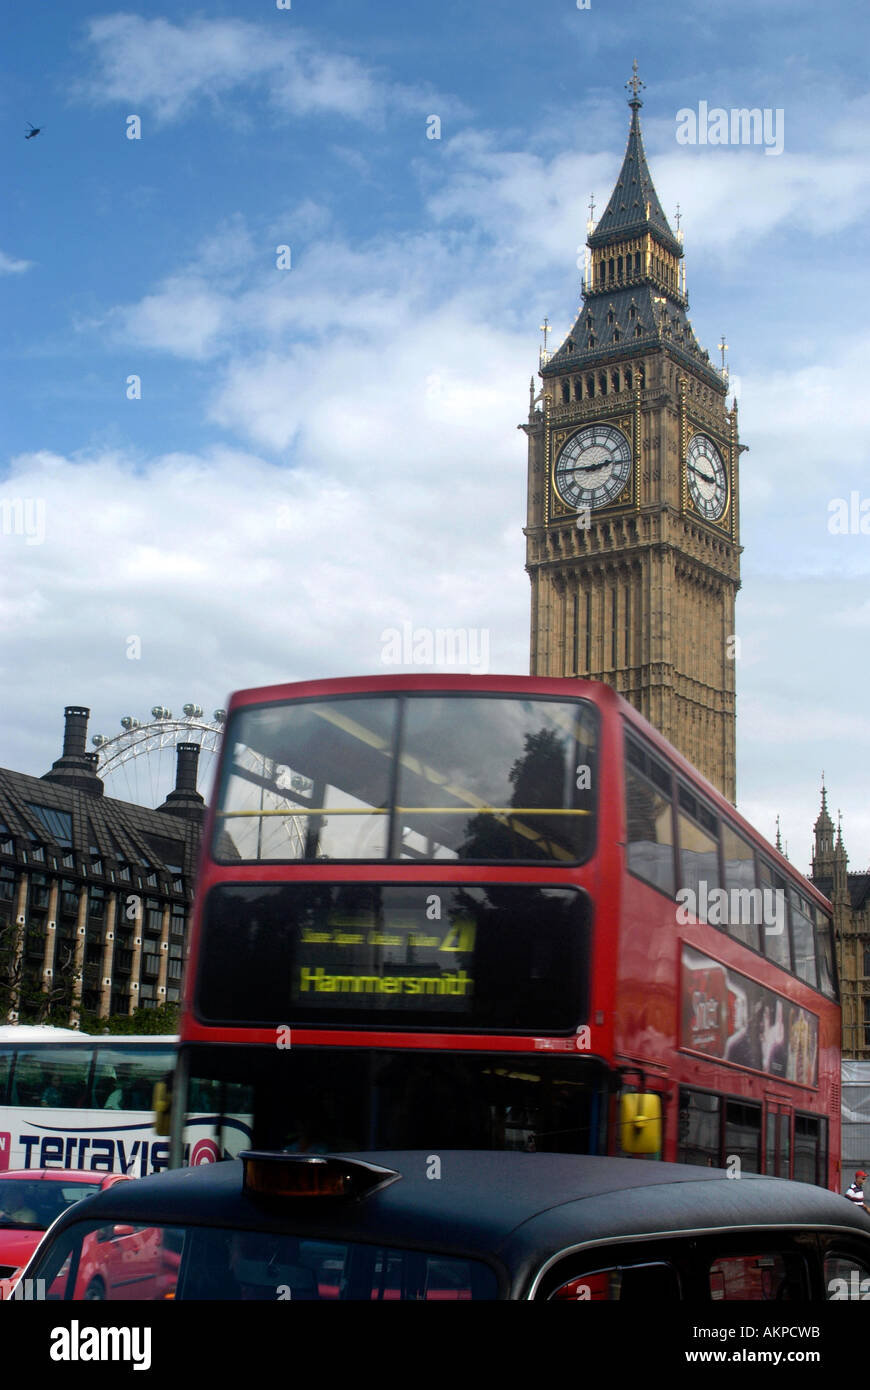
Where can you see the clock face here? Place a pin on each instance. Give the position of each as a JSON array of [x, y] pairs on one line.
[[593, 467], [706, 476]]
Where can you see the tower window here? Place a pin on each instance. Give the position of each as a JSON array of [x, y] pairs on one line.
[[619, 267], [613, 612], [614, 378], [578, 388], [632, 312], [638, 332], [566, 393], [610, 316], [628, 624], [616, 335], [588, 320], [591, 342], [637, 263], [602, 383], [590, 386], [629, 383], [610, 268]]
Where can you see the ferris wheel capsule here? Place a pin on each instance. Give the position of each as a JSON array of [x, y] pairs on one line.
[[98, 740], [193, 711], [220, 716], [128, 722], [161, 712]]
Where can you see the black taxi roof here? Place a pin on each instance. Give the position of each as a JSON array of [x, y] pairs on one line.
[[516, 1208]]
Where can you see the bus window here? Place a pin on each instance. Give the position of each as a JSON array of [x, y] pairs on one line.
[[776, 943], [51, 1077], [743, 1135], [650, 852], [699, 847], [740, 875], [5, 1072], [825, 949], [125, 1077], [809, 1157], [803, 936], [700, 1120]]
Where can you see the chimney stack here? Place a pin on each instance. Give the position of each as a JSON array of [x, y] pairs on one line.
[[76, 767], [185, 800]]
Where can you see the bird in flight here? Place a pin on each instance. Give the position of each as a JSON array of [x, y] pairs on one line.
[[34, 130]]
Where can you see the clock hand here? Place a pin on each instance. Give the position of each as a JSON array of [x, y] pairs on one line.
[[590, 467], [708, 477]]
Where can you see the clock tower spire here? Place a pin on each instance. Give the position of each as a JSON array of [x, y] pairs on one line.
[[633, 526]]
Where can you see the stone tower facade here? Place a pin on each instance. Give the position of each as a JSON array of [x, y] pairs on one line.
[[850, 897], [633, 525]]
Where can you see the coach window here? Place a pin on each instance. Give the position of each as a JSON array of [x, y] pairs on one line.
[[699, 1134], [699, 850], [5, 1068], [739, 862], [803, 937], [650, 850], [743, 1135], [825, 954]]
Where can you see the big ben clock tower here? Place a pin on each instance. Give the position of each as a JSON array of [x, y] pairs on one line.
[[633, 527]]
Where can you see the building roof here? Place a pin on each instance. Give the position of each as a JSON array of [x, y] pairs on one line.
[[65, 820], [612, 319], [634, 206]]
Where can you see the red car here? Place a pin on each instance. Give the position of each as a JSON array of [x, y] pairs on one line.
[[30, 1200]]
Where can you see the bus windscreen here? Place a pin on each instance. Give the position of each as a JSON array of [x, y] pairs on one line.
[[488, 779]]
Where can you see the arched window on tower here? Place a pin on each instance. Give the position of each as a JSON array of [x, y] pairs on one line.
[[641, 377], [610, 316], [614, 380], [619, 267], [590, 386], [578, 388], [637, 263], [566, 392], [616, 335], [610, 269], [638, 332], [602, 383], [629, 379]]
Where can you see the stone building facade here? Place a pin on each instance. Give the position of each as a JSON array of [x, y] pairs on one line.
[[850, 896], [94, 893]]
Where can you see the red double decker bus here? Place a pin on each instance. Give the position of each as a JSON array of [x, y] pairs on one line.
[[498, 912]]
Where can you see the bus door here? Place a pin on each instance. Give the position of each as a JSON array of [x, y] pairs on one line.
[[777, 1137]]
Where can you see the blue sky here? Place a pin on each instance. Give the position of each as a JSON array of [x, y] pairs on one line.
[[323, 452]]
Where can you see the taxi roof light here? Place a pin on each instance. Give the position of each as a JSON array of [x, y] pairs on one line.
[[270, 1174]]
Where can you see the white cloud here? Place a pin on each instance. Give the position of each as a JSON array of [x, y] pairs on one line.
[[10, 265], [168, 68]]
